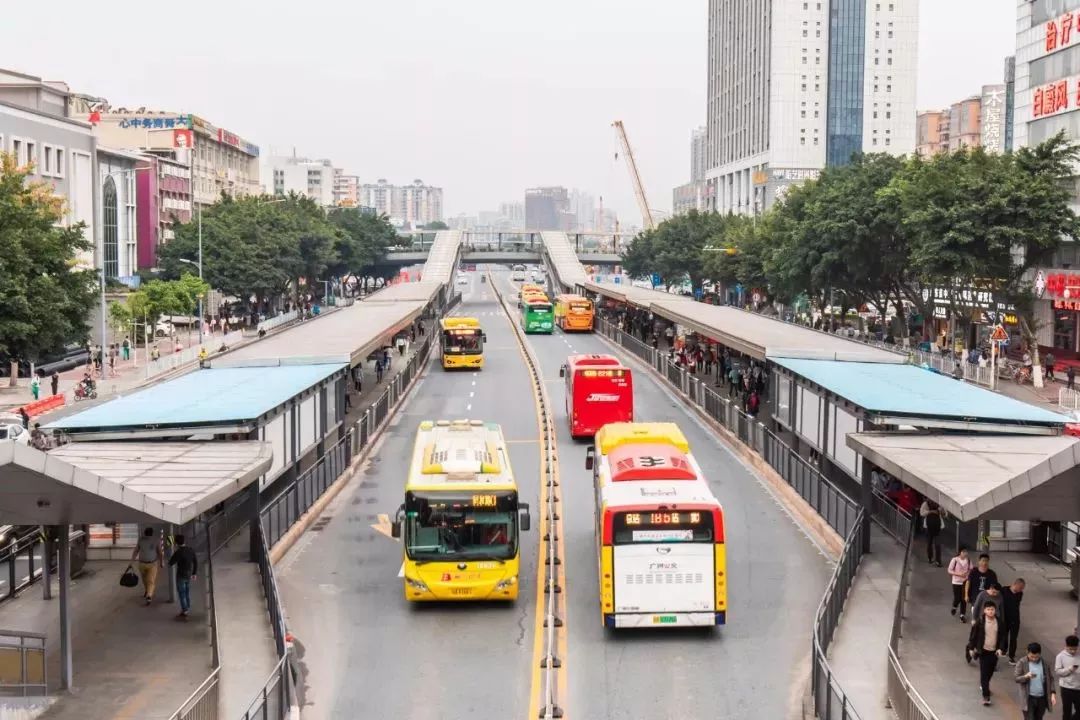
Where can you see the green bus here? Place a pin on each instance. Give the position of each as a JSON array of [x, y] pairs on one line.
[[537, 317]]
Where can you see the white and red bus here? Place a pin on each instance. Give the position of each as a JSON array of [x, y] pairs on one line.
[[599, 390], [659, 530]]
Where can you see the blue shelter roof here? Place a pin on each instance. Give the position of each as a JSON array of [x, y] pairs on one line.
[[213, 396], [908, 390]]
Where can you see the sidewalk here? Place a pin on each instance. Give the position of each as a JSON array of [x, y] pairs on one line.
[[857, 654], [932, 646], [129, 660]]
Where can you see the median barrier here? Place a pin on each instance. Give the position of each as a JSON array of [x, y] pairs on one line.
[[43, 406]]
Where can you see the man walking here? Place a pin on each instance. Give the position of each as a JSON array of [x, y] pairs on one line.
[[980, 578], [989, 596], [1011, 598], [1067, 672], [187, 565], [1037, 690], [959, 568], [378, 370], [933, 530], [148, 554], [1070, 376], [358, 378], [55, 380], [987, 643]]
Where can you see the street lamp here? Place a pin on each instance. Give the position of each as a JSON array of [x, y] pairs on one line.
[[198, 265]]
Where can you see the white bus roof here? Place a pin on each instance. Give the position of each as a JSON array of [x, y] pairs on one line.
[[636, 493], [459, 452]]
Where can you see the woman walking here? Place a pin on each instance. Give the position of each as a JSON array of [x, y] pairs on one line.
[[959, 567]]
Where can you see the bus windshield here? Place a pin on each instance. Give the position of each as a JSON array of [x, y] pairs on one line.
[[462, 342], [662, 526], [538, 307], [479, 525]]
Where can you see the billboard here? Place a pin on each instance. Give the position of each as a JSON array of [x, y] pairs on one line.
[[993, 118]]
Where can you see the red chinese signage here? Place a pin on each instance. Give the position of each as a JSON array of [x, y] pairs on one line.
[[1067, 304], [228, 138], [1062, 31], [1053, 98], [1063, 285]]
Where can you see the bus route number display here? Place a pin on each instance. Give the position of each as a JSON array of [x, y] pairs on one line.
[[485, 501], [662, 519]]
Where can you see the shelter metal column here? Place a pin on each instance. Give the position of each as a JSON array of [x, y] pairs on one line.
[[64, 568], [251, 509]]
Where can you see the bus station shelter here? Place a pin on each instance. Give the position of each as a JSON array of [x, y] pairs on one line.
[[153, 483]]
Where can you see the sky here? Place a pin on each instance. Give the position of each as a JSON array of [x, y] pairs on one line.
[[480, 97]]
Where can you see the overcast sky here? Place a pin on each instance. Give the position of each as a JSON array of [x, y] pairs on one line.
[[481, 97]]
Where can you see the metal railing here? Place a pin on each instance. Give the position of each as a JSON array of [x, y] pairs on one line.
[[25, 559], [905, 700], [203, 703], [275, 697], [1068, 400], [830, 702], [891, 517], [22, 664]]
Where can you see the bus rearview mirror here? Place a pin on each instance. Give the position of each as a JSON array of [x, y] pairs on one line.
[[590, 457], [395, 529], [526, 518]]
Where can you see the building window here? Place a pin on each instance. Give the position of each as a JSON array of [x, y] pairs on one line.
[[58, 167], [109, 224], [875, 114]]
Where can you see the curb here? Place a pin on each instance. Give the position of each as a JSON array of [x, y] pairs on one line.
[[813, 523], [294, 533]]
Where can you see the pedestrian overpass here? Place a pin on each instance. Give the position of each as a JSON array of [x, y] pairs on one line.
[[510, 247]]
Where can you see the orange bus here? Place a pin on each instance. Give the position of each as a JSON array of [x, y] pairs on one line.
[[660, 531], [599, 390], [573, 312]]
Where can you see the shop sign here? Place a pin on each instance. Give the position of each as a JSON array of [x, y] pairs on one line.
[[183, 138], [795, 174], [1053, 284], [1062, 31], [1056, 97], [993, 118], [965, 297], [228, 138], [1067, 304], [155, 122]]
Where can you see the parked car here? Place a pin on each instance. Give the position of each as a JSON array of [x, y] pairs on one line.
[[71, 356]]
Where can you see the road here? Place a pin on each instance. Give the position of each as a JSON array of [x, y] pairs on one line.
[[368, 653], [755, 667]]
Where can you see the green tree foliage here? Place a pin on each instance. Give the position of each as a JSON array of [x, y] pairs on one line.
[[363, 239], [676, 248], [46, 297], [436, 225]]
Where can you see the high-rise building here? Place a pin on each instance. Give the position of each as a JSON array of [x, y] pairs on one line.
[[546, 207], [977, 121], [314, 179], [1010, 100], [346, 189], [164, 198], [513, 214], [794, 86], [406, 205], [692, 195]]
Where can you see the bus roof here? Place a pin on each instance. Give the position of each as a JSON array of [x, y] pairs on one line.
[[570, 297], [581, 361], [459, 455], [536, 300], [459, 322], [613, 435], [650, 493], [649, 461], [531, 286]]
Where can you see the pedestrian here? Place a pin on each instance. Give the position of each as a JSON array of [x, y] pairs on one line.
[[155, 354], [25, 418], [112, 360], [753, 403], [378, 370], [1038, 692], [1048, 365], [55, 380], [147, 553], [987, 643], [1070, 377], [400, 342], [386, 357], [187, 567], [958, 371], [1011, 597], [932, 520], [980, 578], [358, 378], [202, 357], [35, 385], [1067, 673], [989, 596], [125, 348], [959, 567]]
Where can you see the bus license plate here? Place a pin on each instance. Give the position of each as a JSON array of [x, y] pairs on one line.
[[461, 591], [664, 619]]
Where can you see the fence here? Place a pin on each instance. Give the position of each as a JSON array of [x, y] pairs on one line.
[[22, 664], [1068, 400], [25, 558], [891, 518], [189, 355], [841, 512], [905, 700], [830, 702], [203, 703]]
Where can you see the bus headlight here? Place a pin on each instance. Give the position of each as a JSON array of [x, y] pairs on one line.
[[416, 584], [506, 582]]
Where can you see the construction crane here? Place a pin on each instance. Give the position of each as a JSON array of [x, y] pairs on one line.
[[635, 177]]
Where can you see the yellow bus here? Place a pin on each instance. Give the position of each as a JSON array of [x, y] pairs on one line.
[[528, 290], [462, 343], [659, 530], [461, 520], [573, 312]]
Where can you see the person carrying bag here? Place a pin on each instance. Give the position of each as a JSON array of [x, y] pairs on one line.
[[130, 578]]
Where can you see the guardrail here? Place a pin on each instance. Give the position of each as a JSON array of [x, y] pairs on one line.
[[890, 517], [20, 555], [830, 702], [905, 700], [22, 664], [203, 703], [837, 509]]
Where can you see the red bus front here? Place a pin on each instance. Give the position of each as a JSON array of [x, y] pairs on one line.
[[598, 396]]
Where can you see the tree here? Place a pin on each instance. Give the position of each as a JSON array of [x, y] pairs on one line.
[[436, 225], [363, 240], [675, 249], [45, 294]]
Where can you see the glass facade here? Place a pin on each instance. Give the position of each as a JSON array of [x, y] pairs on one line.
[[1043, 10], [110, 226], [1054, 67], [847, 58]]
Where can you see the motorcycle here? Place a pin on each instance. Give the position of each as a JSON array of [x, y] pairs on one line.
[[84, 391]]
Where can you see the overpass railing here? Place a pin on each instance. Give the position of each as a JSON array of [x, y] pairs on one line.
[[905, 700], [841, 512]]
